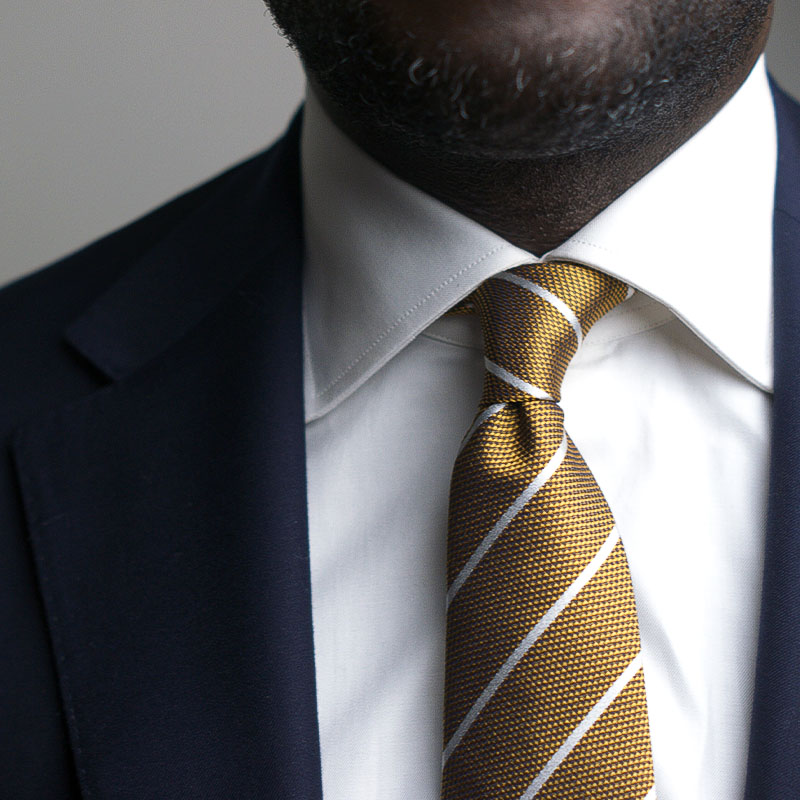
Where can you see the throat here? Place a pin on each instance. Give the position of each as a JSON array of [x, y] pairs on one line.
[[536, 203]]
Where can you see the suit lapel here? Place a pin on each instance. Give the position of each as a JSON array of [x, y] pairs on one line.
[[167, 514], [774, 761]]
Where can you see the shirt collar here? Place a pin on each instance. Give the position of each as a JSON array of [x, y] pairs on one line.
[[384, 260]]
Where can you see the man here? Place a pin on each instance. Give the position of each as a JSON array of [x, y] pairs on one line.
[[176, 623]]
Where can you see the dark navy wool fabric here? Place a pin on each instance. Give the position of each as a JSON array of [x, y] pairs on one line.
[[774, 764], [155, 587]]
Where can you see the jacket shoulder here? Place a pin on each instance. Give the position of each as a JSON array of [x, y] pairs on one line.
[[38, 369], [70, 283], [787, 111]]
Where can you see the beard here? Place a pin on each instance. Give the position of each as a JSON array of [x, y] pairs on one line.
[[517, 80]]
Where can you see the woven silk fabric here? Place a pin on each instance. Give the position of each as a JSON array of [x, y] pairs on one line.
[[544, 689]]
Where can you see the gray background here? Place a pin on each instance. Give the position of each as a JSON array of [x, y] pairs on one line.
[[109, 108]]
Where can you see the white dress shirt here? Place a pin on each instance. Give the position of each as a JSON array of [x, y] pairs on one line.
[[668, 400]]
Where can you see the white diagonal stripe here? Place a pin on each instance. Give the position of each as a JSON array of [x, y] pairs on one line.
[[651, 795], [534, 486], [481, 418], [572, 740], [555, 301], [517, 383], [536, 632]]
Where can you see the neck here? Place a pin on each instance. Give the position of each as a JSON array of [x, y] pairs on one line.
[[534, 203]]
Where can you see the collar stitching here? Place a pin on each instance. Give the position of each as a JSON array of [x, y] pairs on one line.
[[407, 313]]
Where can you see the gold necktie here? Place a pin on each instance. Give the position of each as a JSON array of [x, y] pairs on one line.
[[544, 690]]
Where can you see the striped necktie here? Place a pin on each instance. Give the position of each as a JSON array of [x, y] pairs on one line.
[[544, 690]]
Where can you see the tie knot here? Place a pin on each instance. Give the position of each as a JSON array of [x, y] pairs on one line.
[[534, 318]]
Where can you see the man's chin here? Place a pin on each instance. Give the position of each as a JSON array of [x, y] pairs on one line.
[[493, 95]]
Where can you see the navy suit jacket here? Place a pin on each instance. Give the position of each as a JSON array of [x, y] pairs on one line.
[[155, 612]]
